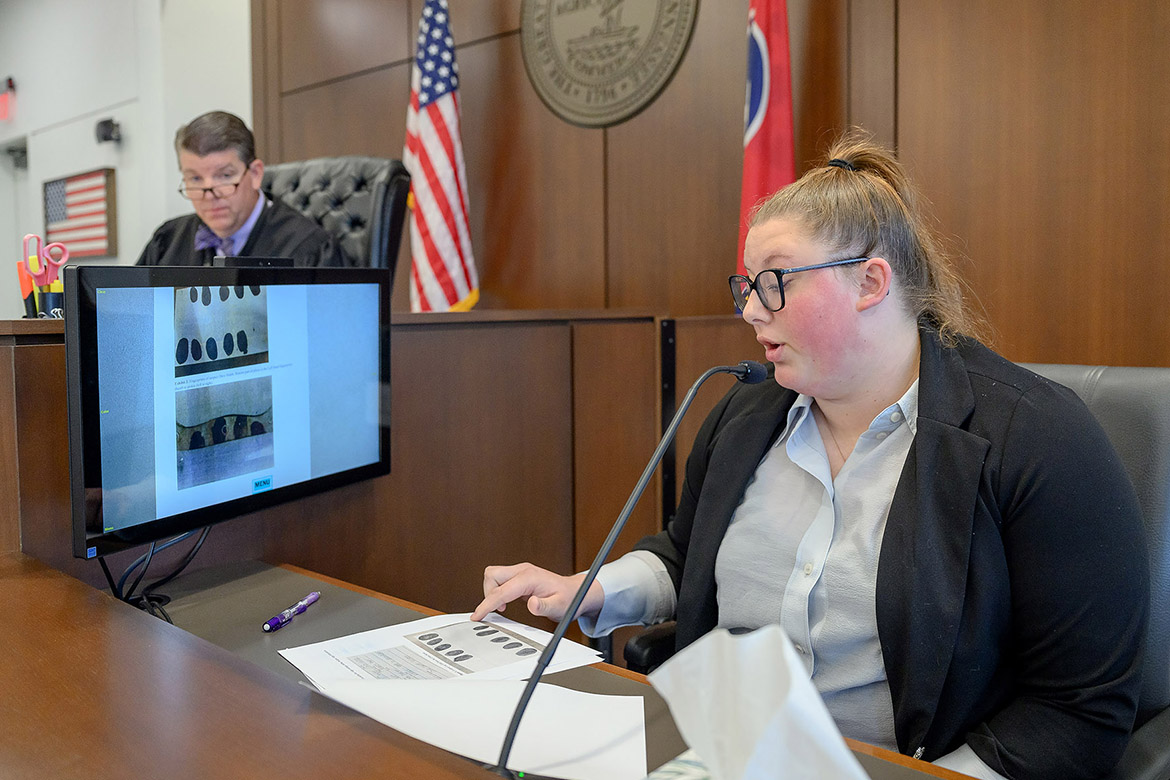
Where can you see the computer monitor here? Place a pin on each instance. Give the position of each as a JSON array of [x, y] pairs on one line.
[[197, 394]]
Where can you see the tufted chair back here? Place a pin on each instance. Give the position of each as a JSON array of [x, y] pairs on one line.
[[360, 200]]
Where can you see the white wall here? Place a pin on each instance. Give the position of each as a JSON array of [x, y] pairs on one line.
[[150, 65], [217, 35]]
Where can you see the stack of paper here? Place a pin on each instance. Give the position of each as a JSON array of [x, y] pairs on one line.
[[437, 648], [455, 684]]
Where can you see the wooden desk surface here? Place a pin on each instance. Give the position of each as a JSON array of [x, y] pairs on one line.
[[227, 606], [93, 688]]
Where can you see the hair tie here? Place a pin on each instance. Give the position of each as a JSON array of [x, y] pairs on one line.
[[843, 164]]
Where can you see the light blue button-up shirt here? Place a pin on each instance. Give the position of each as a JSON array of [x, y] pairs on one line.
[[802, 550]]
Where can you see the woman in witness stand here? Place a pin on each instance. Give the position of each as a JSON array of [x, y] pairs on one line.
[[949, 540]]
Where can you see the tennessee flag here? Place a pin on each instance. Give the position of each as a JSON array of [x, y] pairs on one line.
[[442, 273], [768, 149]]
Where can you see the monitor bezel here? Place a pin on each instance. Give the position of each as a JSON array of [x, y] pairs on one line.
[[81, 282]]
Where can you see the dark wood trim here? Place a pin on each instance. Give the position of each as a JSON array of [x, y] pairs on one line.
[[518, 315], [31, 327], [259, 75]]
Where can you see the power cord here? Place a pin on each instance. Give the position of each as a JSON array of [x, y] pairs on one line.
[[148, 600]]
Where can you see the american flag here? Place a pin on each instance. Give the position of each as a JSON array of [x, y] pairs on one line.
[[768, 147], [442, 274], [79, 213]]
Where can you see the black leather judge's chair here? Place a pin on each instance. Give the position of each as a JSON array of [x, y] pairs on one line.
[[1133, 406], [360, 200]]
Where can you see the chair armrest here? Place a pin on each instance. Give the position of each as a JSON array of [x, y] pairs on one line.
[[1146, 757], [648, 650]]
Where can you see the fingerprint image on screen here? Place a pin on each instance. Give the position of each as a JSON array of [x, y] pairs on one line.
[[223, 430], [220, 327]]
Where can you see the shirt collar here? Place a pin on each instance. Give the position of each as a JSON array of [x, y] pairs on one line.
[[240, 237], [205, 238], [905, 408]]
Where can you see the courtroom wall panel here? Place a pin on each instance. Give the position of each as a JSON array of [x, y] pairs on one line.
[[561, 216], [1038, 130], [537, 189], [327, 39], [872, 73], [1034, 128], [9, 483], [673, 205], [340, 118], [615, 381], [700, 343]]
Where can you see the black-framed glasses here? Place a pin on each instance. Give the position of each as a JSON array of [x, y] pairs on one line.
[[769, 283], [221, 191]]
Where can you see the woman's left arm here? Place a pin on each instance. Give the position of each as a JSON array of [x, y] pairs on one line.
[[1079, 583]]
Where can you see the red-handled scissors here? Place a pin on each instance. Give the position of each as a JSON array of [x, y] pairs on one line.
[[47, 267]]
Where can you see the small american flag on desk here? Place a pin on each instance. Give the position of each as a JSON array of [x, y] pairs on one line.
[[79, 212]]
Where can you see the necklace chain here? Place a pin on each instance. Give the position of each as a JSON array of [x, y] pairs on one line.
[[832, 435]]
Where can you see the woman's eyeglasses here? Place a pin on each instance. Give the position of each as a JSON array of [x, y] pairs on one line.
[[769, 284]]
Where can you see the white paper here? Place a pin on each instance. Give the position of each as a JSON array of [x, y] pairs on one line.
[[564, 733], [437, 648], [746, 706]]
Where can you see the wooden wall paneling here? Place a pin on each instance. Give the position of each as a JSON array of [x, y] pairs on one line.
[[1038, 132], [473, 20], [322, 40], [700, 343], [260, 127], [44, 470], [9, 482], [365, 114], [535, 188], [818, 34], [481, 469], [674, 171], [266, 100], [872, 54], [400, 289], [615, 413], [562, 216], [673, 178]]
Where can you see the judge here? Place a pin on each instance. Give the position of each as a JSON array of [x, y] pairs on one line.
[[221, 177]]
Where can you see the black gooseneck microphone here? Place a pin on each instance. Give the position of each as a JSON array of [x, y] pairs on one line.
[[749, 372]]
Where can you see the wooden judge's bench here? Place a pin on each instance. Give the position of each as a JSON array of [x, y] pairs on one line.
[[515, 436]]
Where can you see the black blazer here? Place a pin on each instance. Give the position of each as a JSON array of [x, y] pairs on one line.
[[1012, 583], [280, 231]]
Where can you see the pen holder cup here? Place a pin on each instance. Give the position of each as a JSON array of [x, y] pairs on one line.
[[51, 305]]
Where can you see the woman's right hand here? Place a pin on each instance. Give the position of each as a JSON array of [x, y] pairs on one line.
[[548, 594]]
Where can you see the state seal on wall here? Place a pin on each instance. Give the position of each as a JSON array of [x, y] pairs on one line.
[[596, 63]]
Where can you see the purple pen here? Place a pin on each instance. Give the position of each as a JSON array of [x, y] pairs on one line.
[[284, 618]]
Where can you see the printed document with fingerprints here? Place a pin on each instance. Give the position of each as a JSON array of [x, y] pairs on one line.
[[437, 648]]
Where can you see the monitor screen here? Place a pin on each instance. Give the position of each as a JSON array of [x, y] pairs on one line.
[[197, 394]]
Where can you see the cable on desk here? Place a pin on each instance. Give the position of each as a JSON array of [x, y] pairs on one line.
[[144, 558], [148, 600]]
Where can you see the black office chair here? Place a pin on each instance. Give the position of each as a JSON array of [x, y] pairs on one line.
[[360, 200], [1133, 407]]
